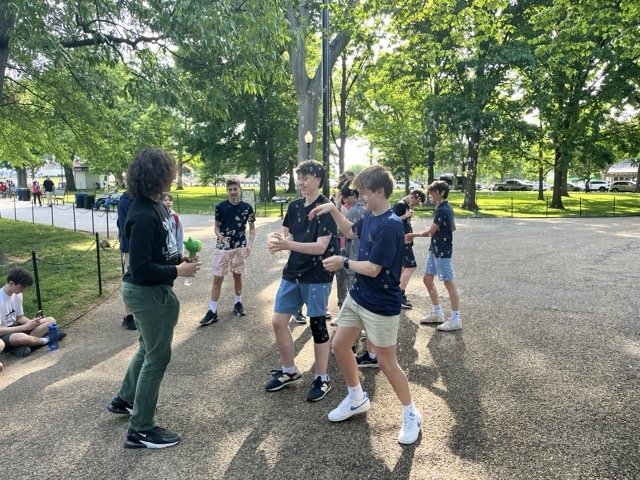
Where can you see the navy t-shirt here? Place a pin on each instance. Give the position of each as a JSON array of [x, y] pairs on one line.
[[233, 222], [381, 239], [303, 267], [442, 242]]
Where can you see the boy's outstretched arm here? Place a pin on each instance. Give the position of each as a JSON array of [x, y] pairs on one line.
[[427, 233], [343, 223]]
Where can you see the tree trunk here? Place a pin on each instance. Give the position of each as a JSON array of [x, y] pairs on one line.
[[431, 160], [292, 180], [559, 181], [469, 202], [265, 174], [540, 184], [21, 177], [271, 168], [6, 25], [69, 178], [179, 185], [637, 189]]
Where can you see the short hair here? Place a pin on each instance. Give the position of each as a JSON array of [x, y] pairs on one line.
[[150, 173], [419, 194], [345, 177], [441, 187], [20, 276], [232, 181], [373, 178], [167, 195], [347, 191], [312, 167]]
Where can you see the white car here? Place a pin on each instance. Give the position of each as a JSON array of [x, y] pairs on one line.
[[623, 186], [412, 185], [598, 185]]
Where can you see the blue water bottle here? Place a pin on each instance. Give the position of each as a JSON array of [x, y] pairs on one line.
[[53, 336]]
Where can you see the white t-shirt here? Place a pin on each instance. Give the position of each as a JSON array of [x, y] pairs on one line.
[[10, 308]]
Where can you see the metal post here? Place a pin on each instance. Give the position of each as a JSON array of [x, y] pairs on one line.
[[33, 220], [98, 260], [73, 207], [15, 212], [93, 225], [511, 207], [36, 279], [325, 95], [107, 214], [51, 208], [614, 206], [580, 206]]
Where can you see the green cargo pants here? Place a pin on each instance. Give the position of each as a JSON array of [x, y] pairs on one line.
[[155, 310]]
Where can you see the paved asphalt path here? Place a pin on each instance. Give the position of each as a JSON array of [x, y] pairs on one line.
[[542, 382]]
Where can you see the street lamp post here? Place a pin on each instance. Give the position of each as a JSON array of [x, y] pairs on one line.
[[308, 139]]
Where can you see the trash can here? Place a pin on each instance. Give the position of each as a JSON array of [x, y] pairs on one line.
[[23, 194], [80, 199], [90, 199]]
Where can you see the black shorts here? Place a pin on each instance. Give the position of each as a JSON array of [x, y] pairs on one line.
[[5, 338], [408, 258]]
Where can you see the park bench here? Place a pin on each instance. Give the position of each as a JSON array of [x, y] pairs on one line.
[[59, 196]]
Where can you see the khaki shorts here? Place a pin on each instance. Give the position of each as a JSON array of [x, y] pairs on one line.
[[225, 261], [382, 330]]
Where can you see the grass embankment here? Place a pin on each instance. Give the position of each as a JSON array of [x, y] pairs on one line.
[[67, 267], [201, 200]]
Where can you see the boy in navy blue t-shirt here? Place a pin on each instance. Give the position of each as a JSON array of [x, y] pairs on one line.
[[373, 302], [439, 259]]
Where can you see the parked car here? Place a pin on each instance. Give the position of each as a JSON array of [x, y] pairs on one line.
[[535, 185], [400, 184], [622, 186], [598, 185], [574, 187], [512, 184]]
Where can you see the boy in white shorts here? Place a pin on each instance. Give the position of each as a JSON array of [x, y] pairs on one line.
[[373, 303], [232, 248]]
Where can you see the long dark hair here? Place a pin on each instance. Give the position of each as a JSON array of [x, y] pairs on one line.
[[150, 173]]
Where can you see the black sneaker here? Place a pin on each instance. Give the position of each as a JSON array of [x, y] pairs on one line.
[[157, 437], [238, 309], [209, 318], [128, 323], [319, 389], [21, 351], [365, 361], [299, 318], [279, 380], [406, 303], [120, 406]]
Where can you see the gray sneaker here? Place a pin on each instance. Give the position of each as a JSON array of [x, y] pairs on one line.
[[450, 326], [433, 317]]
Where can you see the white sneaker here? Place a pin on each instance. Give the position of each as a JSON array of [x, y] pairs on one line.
[[450, 325], [433, 317], [348, 408], [334, 322], [411, 425]]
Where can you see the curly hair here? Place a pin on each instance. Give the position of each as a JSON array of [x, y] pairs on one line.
[[20, 276], [150, 173]]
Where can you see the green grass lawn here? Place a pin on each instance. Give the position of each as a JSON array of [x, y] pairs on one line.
[[67, 267], [202, 200]]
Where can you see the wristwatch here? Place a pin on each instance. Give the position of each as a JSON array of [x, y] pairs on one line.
[[345, 262]]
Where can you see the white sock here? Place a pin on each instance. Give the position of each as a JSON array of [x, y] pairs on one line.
[[356, 394], [408, 408], [372, 355], [289, 370], [437, 309], [237, 298], [44, 340], [455, 315], [213, 306], [324, 378]]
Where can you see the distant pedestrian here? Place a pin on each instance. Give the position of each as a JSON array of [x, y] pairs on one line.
[[154, 264], [439, 259], [48, 190]]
